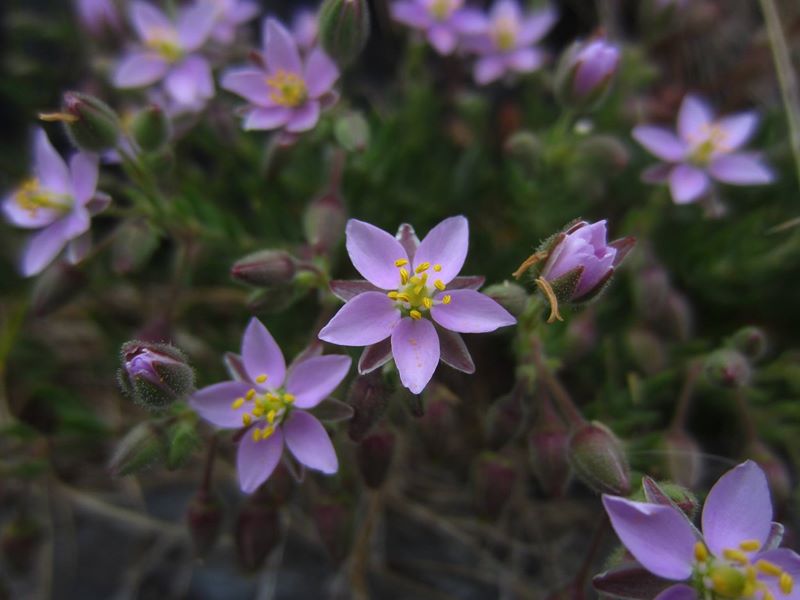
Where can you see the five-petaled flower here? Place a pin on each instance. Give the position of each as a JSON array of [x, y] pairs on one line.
[[60, 201], [735, 557], [444, 22], [411, 306], [169, 52], [507, 41], [286, 91], [271, 402], [705, 147]]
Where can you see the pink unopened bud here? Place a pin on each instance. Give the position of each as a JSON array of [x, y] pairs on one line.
[[548, 445], [586, 72], [374, 456], [204, 519], [494, 479], [324, 222], [368, 396], [265, 268], [598, 459], [334, 522], [155, 375], [257, 532]]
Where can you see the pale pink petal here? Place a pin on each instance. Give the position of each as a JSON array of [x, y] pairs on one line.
[[214, 403], [313, 380], [43, 247], [443, 39], [255, 461], [366, 319], [677, 592], [415, 347], [195, 24], [280, 49], [468, 21], [738, 129], [26, 218], [741, 169], [445, 245], [526, 60], [249, 83], [320, 74], [412, 14], [262, 356], [373, 253], [470, 312], [536, 26], [139, 69], [309, 442], [48, 166], [304, 117], [190, 81], [148, 20], [661, 142], [489, 69], [83, 168], [687, 183], [267, 118], [694, 118]]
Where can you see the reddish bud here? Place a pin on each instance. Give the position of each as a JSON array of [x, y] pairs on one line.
[[374, 455], [204, 519], [494, 479]]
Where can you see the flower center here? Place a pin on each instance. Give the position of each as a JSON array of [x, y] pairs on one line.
[[504, 33], [163, 42], [31, 197], [287, 89], [442, 9], [708, 140], [736, 576], [270, 408], [414, 297]]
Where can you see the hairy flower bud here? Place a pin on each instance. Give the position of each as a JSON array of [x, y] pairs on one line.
[[684, 458], [56, 287], [155, 375], [324, 222], [525, 149], [257, 532], [92, 125], [750, 341], [368, 395], [509, 295], [151, 128], [669, 494], [374, 455], [139, 449], [585, 73], [352, 131], [727, 368], [344, 28], [598, 459], [204, 520], [603, 154], [265, 268], [334, 522]]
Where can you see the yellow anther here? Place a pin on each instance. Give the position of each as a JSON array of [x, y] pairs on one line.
[[403, 276], [258, 411], [247, 418], [437, 267], [786, 583], [288, 398], [271, 416], [422, 267], [250, 395], [700, 552], [750, 545], [404, 297], [267, 431], [768, 568], [400, 262], [768, 595], [287, 89], [237, 404], [736, 556], [415, 314], [392, 295], [256, 434], [751, 574], [439, 285], [427, 303], [261, 379], [446, 299]]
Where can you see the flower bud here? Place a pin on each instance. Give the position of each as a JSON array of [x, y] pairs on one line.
[[151, 128], [494, 478], [585, 73], [598, 459], [669, 494], [257, 532], [20, 542], [547, 444], [133, 247], [684, 459], [344, 28], [274, 299], [603, 154], [727, 368], [265, 268], [94, 125], [374, 455], [511, 296], [139, 449], [352, 131], [56, 287], [504, 419], [525, 149], [368, 395], [183, 440], [204, 520], [646, 350], [750, 341], [324, 222], [155, 375], [334, 522]]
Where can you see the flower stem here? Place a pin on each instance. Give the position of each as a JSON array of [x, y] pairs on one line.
[[565, 404], [685, 398]]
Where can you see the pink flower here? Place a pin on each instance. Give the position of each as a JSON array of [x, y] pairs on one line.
[[412, 305], [231, 14], [305, 30], [442, 21], [705, 147], [272, 403]]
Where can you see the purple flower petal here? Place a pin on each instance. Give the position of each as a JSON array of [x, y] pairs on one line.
[[78, 248], [267, 118], [694, 118], [309, 442], [190, 81], [443, 39], [262, 356], [213, 403], [321, 73], [304, 117], [48, 166], [373, 253], [255, 461], [280, 49], [788, 561], [454, 352], [737, 129], [468, 21], [350, 288], [249, 83], [415, 347], [195, 24], [657, 173], [505, 10], [659, 537], [312, 380], [366, 319], [470, 312], [98, 203], [147, 20], [139, 69], [742, 168], [412, 14], [25, 218], [489, 69], [536, 26], [375, 356], [235, 367], [84, 171], [661, 142], [737, 508], [445, 245], [677, 592], [43, 247], [526, 60], [687, 183], [467, 282]]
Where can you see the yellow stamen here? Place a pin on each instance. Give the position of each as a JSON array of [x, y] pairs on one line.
[[786, 583], [768, 595], [750, 545], [400, 262], [392, 295], [267, 432], [237, 404], [446, 299], [261, 379], [404, 297], [256, 434], [287, 89], [768, 568], [427, 303], [57, 117], [404, 276], [735, 556], [415, 314], [700, 552], [439, 285], [271, 416], [437, 267], [288, 398], [258, 411], [247, 418], [421, 268], [250, 395], [547, 290]]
